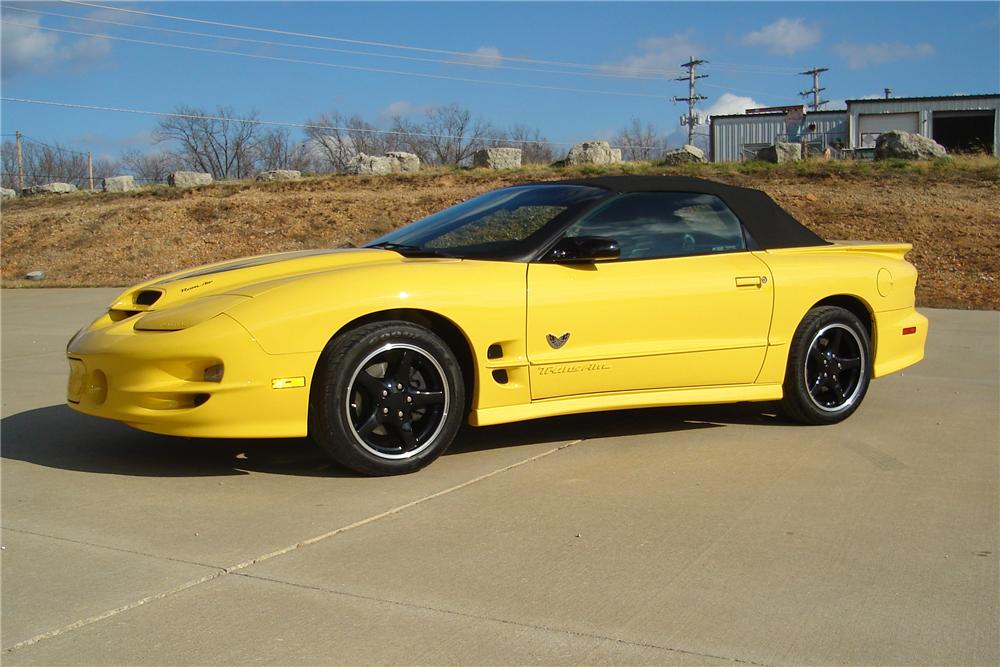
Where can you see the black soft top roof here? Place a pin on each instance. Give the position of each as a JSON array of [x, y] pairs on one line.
[[769, 225]]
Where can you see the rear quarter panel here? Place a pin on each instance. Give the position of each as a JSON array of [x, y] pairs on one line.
[[875, 275]]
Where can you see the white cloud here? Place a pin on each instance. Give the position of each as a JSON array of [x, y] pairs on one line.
[[657, 53], [859, 56], [785, 36], [25, 49], [487, 56], [401, 108]]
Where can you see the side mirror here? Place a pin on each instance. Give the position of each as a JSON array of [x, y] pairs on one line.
[[583, 249]]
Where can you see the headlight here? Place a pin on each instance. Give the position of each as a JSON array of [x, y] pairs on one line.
[[188, 314]]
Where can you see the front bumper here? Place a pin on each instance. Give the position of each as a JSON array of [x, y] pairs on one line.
[[154, 380]]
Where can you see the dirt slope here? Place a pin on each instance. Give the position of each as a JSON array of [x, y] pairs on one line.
[[951, 214]]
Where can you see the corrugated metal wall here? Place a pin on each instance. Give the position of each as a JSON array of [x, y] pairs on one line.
[[925, 109], [733, 138]]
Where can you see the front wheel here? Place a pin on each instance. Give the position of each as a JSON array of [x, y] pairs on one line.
[[388, 398], [829, 367]]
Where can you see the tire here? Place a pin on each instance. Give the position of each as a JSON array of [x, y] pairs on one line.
[[829, 367], [387, 398]]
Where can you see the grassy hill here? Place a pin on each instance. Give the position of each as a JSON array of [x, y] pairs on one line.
[[949, 210]]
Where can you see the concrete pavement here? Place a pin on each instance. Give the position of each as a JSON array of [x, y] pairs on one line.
[[672, 536]]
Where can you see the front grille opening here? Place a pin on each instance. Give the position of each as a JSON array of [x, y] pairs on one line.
[[119, 315], [199, 399], [147, 297]]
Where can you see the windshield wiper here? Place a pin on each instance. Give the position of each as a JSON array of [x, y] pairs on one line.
[[409, 250]]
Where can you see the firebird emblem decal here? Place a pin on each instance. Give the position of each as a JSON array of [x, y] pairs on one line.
[[555, 342]]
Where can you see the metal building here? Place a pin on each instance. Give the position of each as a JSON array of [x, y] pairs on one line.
[[957, 122]]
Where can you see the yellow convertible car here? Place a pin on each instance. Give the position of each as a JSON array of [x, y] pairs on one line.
[[530, 301]]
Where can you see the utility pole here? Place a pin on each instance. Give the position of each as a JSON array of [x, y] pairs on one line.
[[20, 164], [90, 170], [815, 72], [691, 119]]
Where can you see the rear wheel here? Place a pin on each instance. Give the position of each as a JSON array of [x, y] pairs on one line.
[[388, 398], [829, 367]]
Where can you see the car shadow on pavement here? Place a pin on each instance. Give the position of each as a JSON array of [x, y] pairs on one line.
[[58, 437]]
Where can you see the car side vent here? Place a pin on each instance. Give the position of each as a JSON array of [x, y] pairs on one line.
[[147, 297]]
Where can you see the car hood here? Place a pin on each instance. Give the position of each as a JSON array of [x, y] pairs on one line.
[[247, 276]]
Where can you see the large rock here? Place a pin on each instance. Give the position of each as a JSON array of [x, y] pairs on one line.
[[686, 154], [593, 152], [370, 165], [188, 179], [780, 153], [497, 158], [907, 146], [403, 162], [7, 193], [279, 175], [50, 189], [118, 184]]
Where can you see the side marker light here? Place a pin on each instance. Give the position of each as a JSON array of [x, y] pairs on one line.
[[288, 383], [909, 330]]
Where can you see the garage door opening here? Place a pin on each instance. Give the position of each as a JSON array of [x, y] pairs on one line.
[[964, 131]]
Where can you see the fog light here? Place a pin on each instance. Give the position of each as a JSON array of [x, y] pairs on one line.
[[214, 373]]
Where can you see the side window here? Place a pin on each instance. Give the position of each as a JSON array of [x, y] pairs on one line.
[[648, 225]]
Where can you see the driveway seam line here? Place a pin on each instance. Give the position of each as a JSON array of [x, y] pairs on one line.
[[110, 548], [496, 619], [396, 510], [233, 569]]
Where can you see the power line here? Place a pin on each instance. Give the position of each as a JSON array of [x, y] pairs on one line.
[[277, 123], [357, 68], [50, 146], [461, 63], [387, 45]]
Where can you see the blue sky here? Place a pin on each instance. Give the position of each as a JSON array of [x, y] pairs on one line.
[[754, 51]]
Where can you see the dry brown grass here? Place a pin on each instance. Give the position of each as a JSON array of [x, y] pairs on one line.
[[948, 210]]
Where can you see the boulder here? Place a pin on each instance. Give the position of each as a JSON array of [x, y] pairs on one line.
[[403, 162], [188, 179], [497, 158], [50, 189], [370, 165], [118, 184], [593, 152], [907, 146], [34, 275], [279, 175], [780, 153], [7, 193], [686, 154]]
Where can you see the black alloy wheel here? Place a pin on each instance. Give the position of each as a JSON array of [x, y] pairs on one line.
[[387, 398], [829, 367]]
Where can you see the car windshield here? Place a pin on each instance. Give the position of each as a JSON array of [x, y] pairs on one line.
[[494, 225]]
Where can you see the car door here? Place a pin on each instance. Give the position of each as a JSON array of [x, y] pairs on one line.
[[685, 304]]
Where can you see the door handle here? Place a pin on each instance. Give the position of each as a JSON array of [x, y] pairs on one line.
[[748, 281]]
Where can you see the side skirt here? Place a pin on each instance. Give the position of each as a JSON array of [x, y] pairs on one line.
[[625, 400]]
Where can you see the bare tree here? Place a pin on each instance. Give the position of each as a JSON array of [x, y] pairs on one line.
[[222, 144], [534, 149], [640, 142], [43, 163], [277, 150], [338, 138], [152, 167], [450, 135]]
